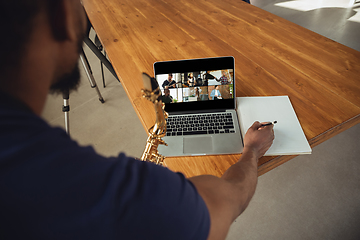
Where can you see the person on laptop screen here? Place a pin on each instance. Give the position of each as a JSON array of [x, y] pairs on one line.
[[191, 80], [215, 94], [166, 98], [53, 188], [170, 83], [223, 79], [207, 76]]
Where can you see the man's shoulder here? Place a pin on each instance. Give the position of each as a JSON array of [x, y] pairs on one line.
[[127, 191], [59, 172]]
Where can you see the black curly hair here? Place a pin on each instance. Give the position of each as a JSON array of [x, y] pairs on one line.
[[16, 23]]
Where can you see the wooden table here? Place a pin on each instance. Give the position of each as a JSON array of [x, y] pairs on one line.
[[273, 57]]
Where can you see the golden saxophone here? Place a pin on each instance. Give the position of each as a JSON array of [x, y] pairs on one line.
[[152, 93]]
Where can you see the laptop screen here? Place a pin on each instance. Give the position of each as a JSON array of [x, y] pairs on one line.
[[197, 84]]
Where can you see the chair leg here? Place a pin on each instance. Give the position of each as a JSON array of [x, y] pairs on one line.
[[89, 74], [101, 56], [102, 73]]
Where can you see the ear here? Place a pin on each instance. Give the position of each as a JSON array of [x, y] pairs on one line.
[[62, 19]]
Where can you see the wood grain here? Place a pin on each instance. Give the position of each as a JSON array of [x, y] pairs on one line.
[[272, 56]]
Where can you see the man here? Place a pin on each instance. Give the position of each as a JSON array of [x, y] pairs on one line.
[[51, 188], [169, 83], [215, 94], [167, 98], [223, 79], [208, 76], [191, 81]]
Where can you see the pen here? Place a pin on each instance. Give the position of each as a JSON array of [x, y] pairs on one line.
[[268, 124]]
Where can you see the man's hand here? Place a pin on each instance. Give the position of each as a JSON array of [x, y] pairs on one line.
[[258, 139]]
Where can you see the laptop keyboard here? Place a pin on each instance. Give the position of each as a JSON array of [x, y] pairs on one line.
[[194, 124]]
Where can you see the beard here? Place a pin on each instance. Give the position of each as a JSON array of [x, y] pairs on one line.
[[67, 82], [70, 80]]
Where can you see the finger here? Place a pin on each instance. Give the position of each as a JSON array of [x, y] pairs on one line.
[[256, 125], [266, 125]]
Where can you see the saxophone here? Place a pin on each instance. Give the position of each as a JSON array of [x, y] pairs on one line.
[[152, 93]]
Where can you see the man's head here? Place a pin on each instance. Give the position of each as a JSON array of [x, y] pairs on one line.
[[170, 76], [167, 92], [60, 24]]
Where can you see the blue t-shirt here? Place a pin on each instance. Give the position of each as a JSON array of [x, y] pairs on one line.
[[51, 188]]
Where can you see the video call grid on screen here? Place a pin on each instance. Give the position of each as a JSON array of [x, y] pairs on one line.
[[196, 95], [196, 86]]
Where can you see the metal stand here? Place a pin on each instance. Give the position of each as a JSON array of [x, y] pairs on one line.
[[66, 109], [89, 74]]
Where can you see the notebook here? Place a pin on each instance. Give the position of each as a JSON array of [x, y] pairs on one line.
[[199, 95], [289, 135]]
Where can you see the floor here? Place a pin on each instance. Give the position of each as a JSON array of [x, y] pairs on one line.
[[310, 197]]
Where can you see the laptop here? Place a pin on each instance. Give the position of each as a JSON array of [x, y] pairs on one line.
[[199, 95]]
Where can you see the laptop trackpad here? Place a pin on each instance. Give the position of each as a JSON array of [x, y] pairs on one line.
[[198, 145]]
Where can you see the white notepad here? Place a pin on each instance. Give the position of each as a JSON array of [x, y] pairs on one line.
[[289, 136]]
